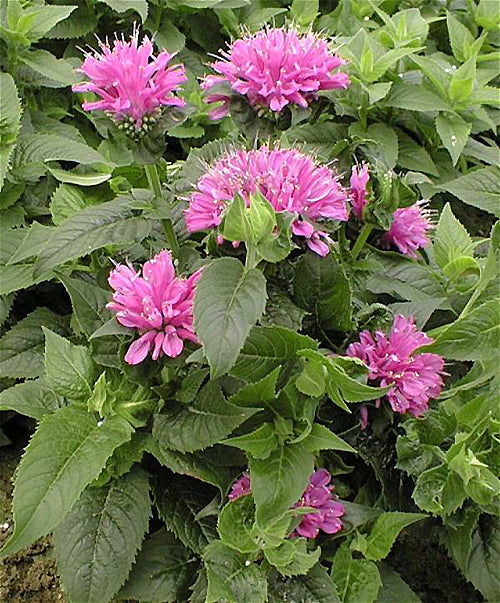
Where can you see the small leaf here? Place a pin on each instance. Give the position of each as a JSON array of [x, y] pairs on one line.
[[451, 240], [321, 438], [292, 558], [454, 133], [258, 444], [121, 6]]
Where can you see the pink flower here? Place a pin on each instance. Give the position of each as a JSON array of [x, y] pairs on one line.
[[240, 487], [158, 304], [128, 82], [288, 179], [409, 228], [273, 68], [327, 512], [415, 379], [359, 180]]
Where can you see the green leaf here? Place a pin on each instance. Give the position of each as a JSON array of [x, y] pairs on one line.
[[385, 147], [460, 37], [451, 240], [231, 578], [34, 241], [96, 543], [292, 558], [414, 98], [22, 347], [315, 587], [321, 438], [45, 18], [259, 443], [69, 368], [454, 133], [39, 148], [414, 157], [31, 398], [110, 327], [394, 589], [179, 504], [321, 286], [479, 188], [204, 423], [73, 448], [384, 533], [10, 119], [259, 393], [356, 579], [79, 24], [235, 525], [462, 82], [483, 566], [304, 11], [228, 302], [169, 38], [251, 224], [46, 64], [267, 348], [121, 6], [279, 481], [88, 303], [160, 572], [472, 337], [94, 227], [88, 179]]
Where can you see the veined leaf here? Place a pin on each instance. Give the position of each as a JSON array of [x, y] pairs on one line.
[[454, 133], [121, 6], [31, 398], [88, 303], [479, 188], [451, 240], [356, 579], [10, 119], [37, 148], [235, 525], [46, 64]]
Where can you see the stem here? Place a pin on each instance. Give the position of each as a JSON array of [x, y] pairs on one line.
[[251, 258], [361, 240], [168, 228]]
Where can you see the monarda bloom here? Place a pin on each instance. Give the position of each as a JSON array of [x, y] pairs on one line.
[[241, 487], [273, 68], [409, 228], [158, 304], [132, 83], [291, 181], [415, 379], [359, 180]]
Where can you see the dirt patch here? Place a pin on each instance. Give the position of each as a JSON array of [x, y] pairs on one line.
[[31, 574]]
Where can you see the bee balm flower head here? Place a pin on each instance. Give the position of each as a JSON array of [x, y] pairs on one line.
[[273, 68], [131, 82], [409, 229]]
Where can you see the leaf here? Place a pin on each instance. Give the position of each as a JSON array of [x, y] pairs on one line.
[[10, 119], [204, 423], [484, 560], [228, 302], [110, 327], [94, 227], [321, 438], [72, 447], [39, 148], [45, 18], [279, 481], [315, 587], [258, 444], [230, 577], [22, 347], [420, 310], [356, 579], [472, 337], [89, 303], [69, 368], [304, 11], [79, 24], [96, 543], [451, 240], [385, 147], [414, 98], [454, 133], [46, 64], [292, 558], [479, 188], [267, 348], [31, 245], [179, 504], [281, 311], [394, 589], [169, 38], [31, 398], [321, 286], [235, 525], [160, 571], [87, 179], [121, 6], [413, 156], [460, 36]]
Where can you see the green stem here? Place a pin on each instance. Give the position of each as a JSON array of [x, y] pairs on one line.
[[361, 240], [168, 228], [251, 258]]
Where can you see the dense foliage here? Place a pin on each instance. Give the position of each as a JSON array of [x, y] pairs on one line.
[[256, 413]]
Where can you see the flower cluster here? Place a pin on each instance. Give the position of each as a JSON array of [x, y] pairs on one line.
[[359, 181], [131, 86], [318, 495], [414, 379], [409, 228], [158, 304], [288, 179], [273, 68]]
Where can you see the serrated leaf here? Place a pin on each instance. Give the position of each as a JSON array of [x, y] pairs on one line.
[[259, 443], [10, 119], [79, 24], [267, 348], [479, 188], [414, 98], [235, 525], [96, 543], [22, 347], [304, 11], [413, 156], [483, 563], [46, 64], [121, 6], [69, 368], [279, 481], [230, 577], [454, 133], [356, 579], [39, 147], [35, 240], [451, 240], [201, 424], [45, 18], [228, 302], [292, 558], [321, 438], [394, 589], [110, 327], [73, 448], [160, 571], [88, 179], [89, 303], [31, 398], [315, 587]]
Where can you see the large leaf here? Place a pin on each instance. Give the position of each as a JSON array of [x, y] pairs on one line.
[[201, 424], [31, 398], [45, 18], [22, 348], [235, 524], [394, 589], [10, 118], [356, 579], [72, 447], [414, 98], [228, 302], [480, 188], [315, 587], [88, 301], [483, 565], [36, 148], [46, 64], [454, 133], [451, 240], [279, 481], [121, 6], [94, 227], [267, 348], [96, 543], [160, 571]]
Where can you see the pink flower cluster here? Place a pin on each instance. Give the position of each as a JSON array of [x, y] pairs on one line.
[[317, 495], [158, 304], [359, 181], [128, 82], [273, 68], [409, 228], [288, 179], [414, 379]]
